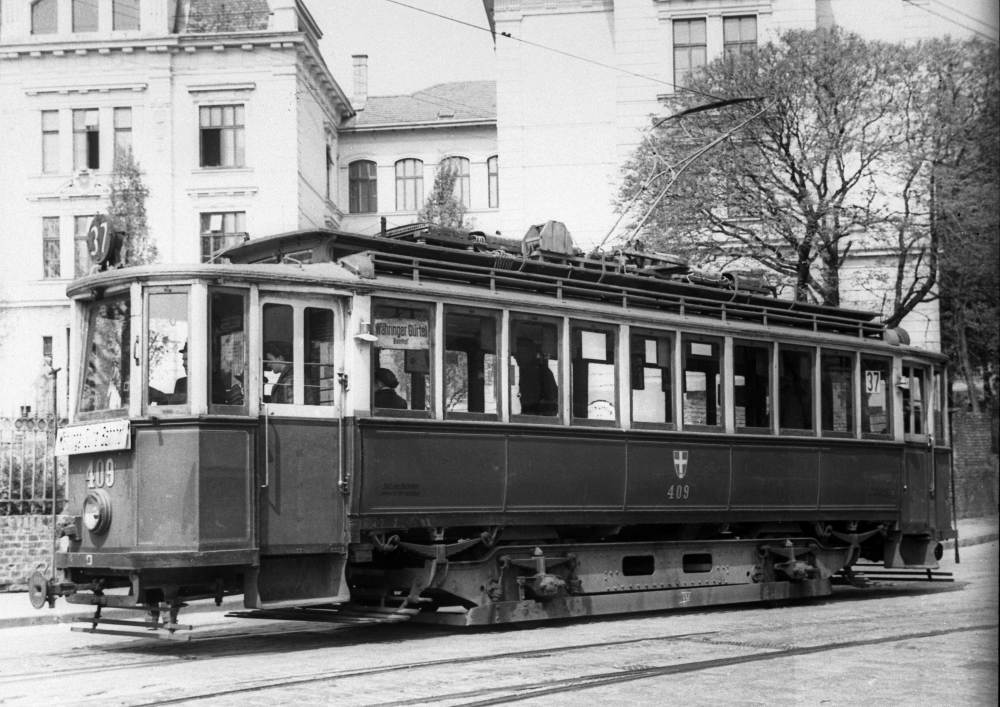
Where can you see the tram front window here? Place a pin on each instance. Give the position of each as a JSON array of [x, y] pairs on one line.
[[317, 327], [402, 370], [167, 349], [470, 362], [875, 399], [702, 366], [228, 349], [837, 392], [106, 373], [534, 368]]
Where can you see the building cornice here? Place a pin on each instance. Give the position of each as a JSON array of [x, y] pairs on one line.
[[429, 124]]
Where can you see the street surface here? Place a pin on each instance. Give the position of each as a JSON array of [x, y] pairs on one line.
[[902, 643]]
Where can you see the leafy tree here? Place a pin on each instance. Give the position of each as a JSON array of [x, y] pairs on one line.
[[127, 209], [792, 189], [443, 207]]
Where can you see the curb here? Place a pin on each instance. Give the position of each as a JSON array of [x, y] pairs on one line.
[[973, 540], [46, 617]]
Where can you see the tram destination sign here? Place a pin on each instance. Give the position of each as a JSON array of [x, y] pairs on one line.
[[402, 333]]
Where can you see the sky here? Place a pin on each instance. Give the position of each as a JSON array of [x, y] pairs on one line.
[[407, 50], [410, 50]]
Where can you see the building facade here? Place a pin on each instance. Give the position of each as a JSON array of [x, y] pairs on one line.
[[391, 150], [228, 109]]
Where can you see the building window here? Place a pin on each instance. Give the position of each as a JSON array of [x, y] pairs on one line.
[[329, 171], [492, 170], [84, 15], [123, 131], [222, 138], [125, 14], [409, 185], [50, 141], [47, 349], [81, 254], [221, 230], [739, 35], [50, 247], [363, 186], [43, 17], [86, 139], [460, 166], [689, 49]]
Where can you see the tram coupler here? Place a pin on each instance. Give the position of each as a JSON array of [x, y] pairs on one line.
[[542, 585], [42, 591], [793, 569]]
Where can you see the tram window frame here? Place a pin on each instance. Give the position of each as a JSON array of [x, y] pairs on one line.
[[126, 359], [809, 408], [721, 402], [914, 410], [576, 330], [514, 319], [768, 348], [639, 364], [299, 305], [497, 316], [939, 405], [149, 408], [851, 432], [888, 391], [228, 408], [430, 395]]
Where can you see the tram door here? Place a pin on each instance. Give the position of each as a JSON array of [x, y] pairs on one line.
[[919, 480], [301, 508]]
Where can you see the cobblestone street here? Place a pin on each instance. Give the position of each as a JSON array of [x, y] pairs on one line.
[[897, 643]]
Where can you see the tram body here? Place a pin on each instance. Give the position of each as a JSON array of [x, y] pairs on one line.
[[555, 436]]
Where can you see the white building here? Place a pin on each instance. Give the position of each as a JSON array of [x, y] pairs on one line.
[[227, 105], [565, 126], [390, 152]]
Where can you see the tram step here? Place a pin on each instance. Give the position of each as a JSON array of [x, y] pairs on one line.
[[347, 614]]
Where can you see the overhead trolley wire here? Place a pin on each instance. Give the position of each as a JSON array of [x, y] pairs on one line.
[[508, 35], [948, 19], [965, 15]]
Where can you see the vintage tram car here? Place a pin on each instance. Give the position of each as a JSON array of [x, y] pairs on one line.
[[477, 430]]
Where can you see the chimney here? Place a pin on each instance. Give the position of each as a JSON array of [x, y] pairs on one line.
[[360, 81]]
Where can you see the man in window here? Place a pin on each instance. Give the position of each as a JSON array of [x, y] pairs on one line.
[[385, 391], [278, 368], [537, 387]]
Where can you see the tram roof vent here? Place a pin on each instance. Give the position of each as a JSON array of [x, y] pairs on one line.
[[550, 238]]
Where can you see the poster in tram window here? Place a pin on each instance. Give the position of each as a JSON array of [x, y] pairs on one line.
[[402, 333]]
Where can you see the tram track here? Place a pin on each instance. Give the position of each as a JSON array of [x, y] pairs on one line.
[[506, 694]]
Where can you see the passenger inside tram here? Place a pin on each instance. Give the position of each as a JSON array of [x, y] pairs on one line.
[[385, 391], [279, 374], [537, 389]]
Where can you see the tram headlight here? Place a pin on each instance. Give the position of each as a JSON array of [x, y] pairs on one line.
[[97, 511]]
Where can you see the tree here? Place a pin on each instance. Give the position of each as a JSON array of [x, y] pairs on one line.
[[443, 207], [127, 209], [793, 189]]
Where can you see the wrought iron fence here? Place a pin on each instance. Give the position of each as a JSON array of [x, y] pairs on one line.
[[32, 478]]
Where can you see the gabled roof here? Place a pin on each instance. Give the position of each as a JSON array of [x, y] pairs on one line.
[[456, 102]]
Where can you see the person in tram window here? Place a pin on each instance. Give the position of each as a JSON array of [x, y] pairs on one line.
[[179, 396], [279, 374], [537, 387], [385, 391]]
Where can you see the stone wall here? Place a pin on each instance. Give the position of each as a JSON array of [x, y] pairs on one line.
[[25, 544], [976, 466]]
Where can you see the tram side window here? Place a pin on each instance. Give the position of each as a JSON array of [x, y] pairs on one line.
[[534, 376], [752, 387], [317, 328], [876, 401], [913, 401], [837, 392], [167, 349], [593, 373], [470, 362], [228, 362], [107, 371], [795, 390], [402, 371], [652, 398], [702, 384], [278, 364]]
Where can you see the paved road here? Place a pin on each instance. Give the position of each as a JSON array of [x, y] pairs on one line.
[[897, 644]]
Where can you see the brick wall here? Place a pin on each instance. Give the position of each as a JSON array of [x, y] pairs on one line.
[[25, 543], [976, 466]]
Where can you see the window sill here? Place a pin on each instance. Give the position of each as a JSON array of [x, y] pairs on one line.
[[222, 170]]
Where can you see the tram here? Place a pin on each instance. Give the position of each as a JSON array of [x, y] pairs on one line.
[[476, 430]]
